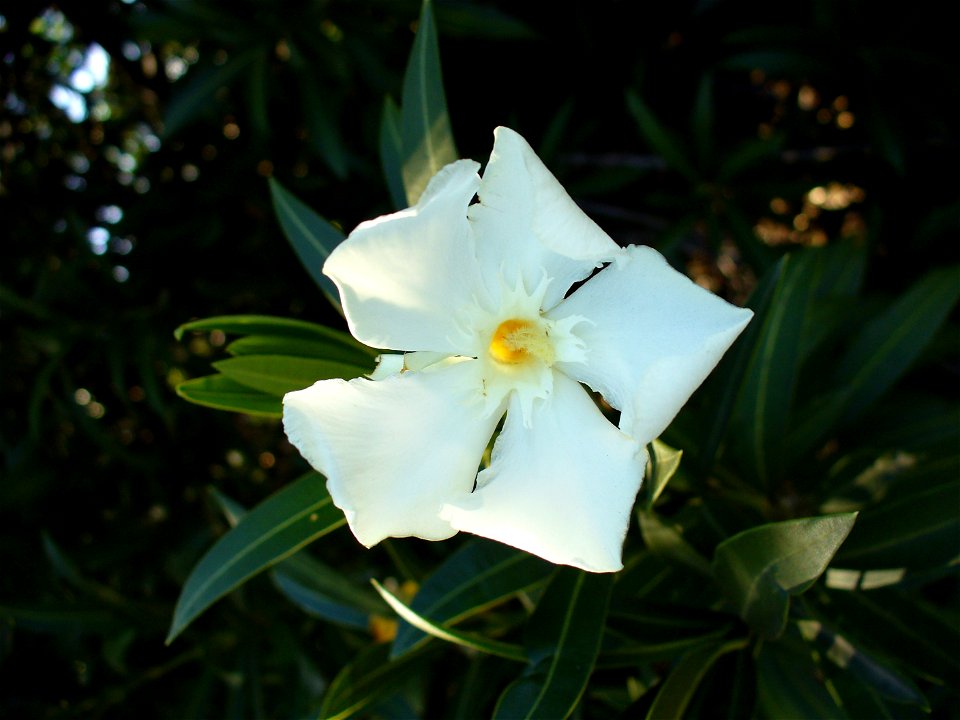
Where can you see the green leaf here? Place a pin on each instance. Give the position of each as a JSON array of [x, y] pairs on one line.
[[760, 568], [266, 325], [391, 152], [660, 138], [763, 410], [315, 588], [641, 632], [882, 680], [195, 94], [280, 374], [478, 576], [320, 116], [682, 682], [345, 351], [919, 530], [886, 346], [222, 393], [278, 527], [920, 637], [666, 540], [664, 462], [473, 641], [728, 377], [425, 124], [310, 235], [790, 684], [372, 677], [563, 638]]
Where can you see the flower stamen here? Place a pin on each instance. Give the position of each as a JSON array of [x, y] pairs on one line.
[[517, 341]]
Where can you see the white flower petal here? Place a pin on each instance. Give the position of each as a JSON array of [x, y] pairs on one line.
[[528, 227], [393, 450], [562, 489], [403, 278], [652, 337]]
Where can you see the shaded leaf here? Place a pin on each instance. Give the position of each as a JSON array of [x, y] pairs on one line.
[[728, 376], [660, 138], [311, 236], [881, 680], [790, 684], [474, 641], [563, 638], [197, 92], [665, 540], [682, 682], [916, 531], [425, 124], [266, 325], [760, 568], [886, 346], [763, 410], [371, 677], [478, 576], [279, 526], [315, 588], [323, 130]]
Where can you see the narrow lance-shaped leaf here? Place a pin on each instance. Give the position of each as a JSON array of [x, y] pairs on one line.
[[470, 640], [727, 379], [312, 237], [223, 393], [346, 353], [279, 374], [271, 326], [660, 139], [919, 530], [391, 152], [476, 577], [883, 681], [279, 526], [763, 409], [563, 638], [760, 568], [370, 678], [427, 136], [312, 586], [682, 682], [888, 345]]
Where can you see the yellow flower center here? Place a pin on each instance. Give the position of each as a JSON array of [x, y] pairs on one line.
[[518, 341]]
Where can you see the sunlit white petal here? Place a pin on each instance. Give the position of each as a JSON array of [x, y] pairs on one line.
[[394, 450], [652, 337], [404, 278], [562, 489], [528, 227]]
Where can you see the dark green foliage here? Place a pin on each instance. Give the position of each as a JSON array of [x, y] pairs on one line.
[[798, 560]]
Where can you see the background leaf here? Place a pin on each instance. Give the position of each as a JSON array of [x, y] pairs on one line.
[[478, 576], [272, 531], [563, 639], [312, 237], [425, 124]]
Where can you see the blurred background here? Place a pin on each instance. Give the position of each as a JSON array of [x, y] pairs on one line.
[[136, 139]]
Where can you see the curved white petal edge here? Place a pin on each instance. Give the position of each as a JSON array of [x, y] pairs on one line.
[[474, 295]]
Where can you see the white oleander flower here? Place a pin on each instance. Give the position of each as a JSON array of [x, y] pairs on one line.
[[479, 293]]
